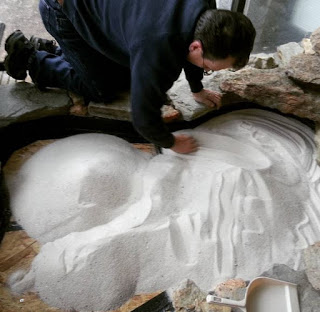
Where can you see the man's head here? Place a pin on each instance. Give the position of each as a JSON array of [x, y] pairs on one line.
[[223, 35]]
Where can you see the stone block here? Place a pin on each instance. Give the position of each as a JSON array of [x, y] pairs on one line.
[[286, 51], [234, 289], [315, 40], [317, 140], [271, 88], [263, 61], [183, 101], [305, 69], [23, 101], [312, 261], [119, 109], [189, 297], [186, 295], [307, 46], [182, 98]]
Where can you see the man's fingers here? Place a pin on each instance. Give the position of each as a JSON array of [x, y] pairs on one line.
[[209, 98], [211, 103], [193, 143], [216, 97], [192, 147], [184, 144], [185, 139]]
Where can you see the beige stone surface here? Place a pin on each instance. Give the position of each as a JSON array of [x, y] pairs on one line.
[[209, 307], [170, 114], [315, 40], [317, 140], [305, 69], [232, 289], [78, 108], [271, 88], [307, 46], [312, 261], [189, 297]]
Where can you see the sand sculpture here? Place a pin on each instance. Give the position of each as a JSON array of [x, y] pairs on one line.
[[115, 221]]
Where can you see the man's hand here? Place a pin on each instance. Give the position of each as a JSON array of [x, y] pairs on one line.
[[184, 144], [209, 98]]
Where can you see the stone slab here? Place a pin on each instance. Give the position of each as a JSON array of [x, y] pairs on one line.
[[315, 40], [180, 95], [182, 98], [183, 101], [312, 260], [234, 289], [118, 109], [286, 51], [263, 61], [271, 88], [23, 101], [189, 297], [307, 46], [305, 69], [317, 140]]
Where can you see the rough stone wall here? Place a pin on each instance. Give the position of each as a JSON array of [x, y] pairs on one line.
[[288, 81]]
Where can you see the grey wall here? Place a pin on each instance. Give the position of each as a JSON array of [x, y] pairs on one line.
[[224, 4], [281, 21]]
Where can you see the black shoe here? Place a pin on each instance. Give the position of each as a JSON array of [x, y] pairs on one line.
[[43, 44], [19, 50]]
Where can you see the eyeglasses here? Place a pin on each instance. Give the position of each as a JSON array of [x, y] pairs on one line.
[[206, 72]]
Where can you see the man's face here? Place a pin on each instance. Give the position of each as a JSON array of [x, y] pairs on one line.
[[214, 65], [195, 57]]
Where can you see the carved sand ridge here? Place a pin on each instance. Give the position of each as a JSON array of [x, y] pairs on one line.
[[115, 222]]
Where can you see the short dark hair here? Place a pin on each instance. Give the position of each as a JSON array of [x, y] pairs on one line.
[[225, 33]]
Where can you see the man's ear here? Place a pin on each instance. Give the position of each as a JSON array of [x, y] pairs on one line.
[[195, 45]]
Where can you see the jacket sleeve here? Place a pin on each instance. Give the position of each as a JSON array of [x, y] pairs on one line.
[[194, 75], [154, 68]]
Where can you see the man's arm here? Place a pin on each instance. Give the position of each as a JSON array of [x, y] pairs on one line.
[[194, 75], [154, 68]]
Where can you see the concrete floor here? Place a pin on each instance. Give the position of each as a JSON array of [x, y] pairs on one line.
[[23, 15]]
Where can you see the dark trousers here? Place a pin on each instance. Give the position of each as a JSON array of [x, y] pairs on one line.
[[76, 67]]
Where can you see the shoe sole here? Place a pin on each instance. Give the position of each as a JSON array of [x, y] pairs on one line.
[[12, 45], [43, 44]]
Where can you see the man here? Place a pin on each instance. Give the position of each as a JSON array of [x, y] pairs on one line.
[[105, 41]]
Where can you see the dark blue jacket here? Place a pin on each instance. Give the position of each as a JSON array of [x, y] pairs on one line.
[[151, 37]]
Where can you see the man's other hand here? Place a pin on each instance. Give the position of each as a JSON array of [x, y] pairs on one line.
[[209, 98], [184, 144]]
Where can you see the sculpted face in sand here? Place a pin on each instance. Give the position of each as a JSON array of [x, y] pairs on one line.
[[116, 222]]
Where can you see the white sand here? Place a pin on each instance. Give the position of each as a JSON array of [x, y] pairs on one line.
[[115, 222]]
